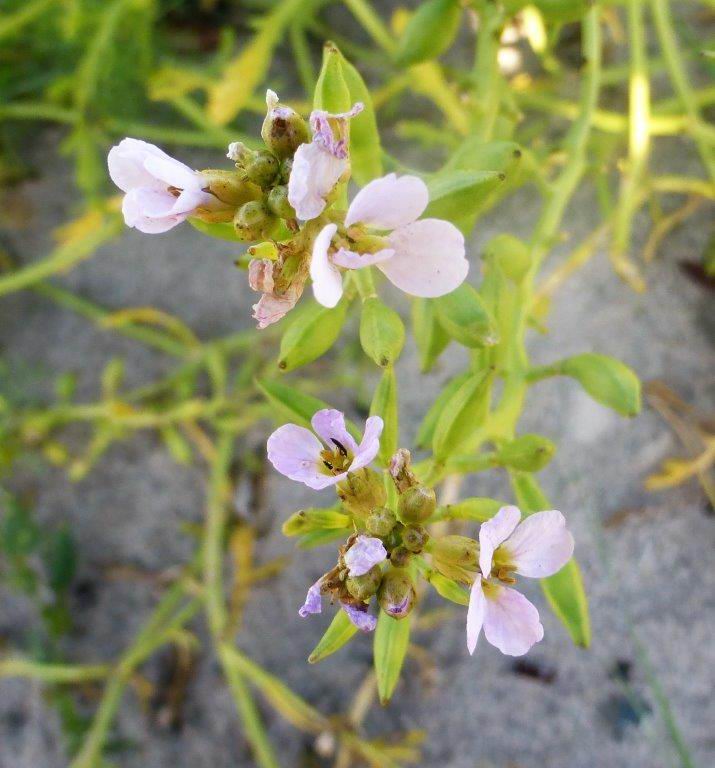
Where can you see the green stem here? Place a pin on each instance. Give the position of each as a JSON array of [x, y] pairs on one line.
[[488, 79], [52, 673], [638, 148], [679, 78]]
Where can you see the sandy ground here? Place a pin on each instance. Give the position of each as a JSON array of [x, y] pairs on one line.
[[653, 571]]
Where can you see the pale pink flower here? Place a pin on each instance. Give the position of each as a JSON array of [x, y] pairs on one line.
[[160, 191], [298, 454], [423, 258], [319, 164], [358, 615], [537, 547], [365, 553]]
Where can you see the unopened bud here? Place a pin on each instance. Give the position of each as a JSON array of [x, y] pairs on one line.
[[285, 169], [455, 550], [397, 593], [381, 521], [365, 586], [239, 153], [414, 538], [278, 202], [253, 221], [416, 504], [361, 492], [229, 187], [400, 556], [283, 130], [261, 168]]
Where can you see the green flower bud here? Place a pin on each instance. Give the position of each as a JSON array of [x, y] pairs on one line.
[[414, 538], [261, 168], [455, 557], [361, 492], [278, 202], [400, 556], [365, 586], [253, 221], [416, 504], [381, 521], [285, 169], [229, 187], [397, 594], [283, 130]]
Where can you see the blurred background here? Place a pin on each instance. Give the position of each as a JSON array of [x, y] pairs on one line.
[[100, 510]]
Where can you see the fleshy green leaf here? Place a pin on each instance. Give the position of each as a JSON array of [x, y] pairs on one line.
[[311, 335], [392, 638], [384, 404], [220, 230], [564, 590], [478, 508], [290, 404], [340, 632], [331, 91], [382, 333]]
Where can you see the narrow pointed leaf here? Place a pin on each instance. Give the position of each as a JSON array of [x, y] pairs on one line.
[[392, 638], [340, 632]]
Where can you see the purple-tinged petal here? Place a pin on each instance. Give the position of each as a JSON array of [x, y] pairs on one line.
[[475, 614], [271, 308], [260, 275], [389, 202], [540, 545], [353, 260], [327, 280], [511, 623], [323, 133], [363, 620], [493, 533], [314, 173], [295, 452], [366, 552], [369, 445], [429, 258], [329, 425], [313, 602]]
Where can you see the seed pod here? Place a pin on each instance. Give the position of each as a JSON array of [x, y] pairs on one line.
[[253, 221], [381, 521], [361, 492], [416, 504], [397, 593], [278, 204], [414, 538], [365, 586], [283, 130], [261, 168]]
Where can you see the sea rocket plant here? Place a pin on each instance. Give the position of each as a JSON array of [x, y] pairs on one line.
[[379, 558]]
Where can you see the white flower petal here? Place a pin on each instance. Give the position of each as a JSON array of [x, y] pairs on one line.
[[172, 173], [295, 452], [511, 623], [352, 260], [314, 174], [126, 165], [429, 258], [389, 202], [136, 203], [327, 280], [370, 444], [541, 545], [493, 532], [475, 614], [329, 424]]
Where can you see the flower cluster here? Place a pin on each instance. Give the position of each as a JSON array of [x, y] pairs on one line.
[[386, 549], [287, 195]]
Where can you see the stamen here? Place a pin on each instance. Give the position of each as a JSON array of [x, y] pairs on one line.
[[328, 465], [340, 446]]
